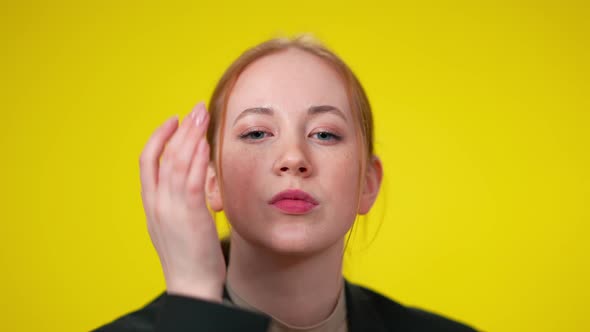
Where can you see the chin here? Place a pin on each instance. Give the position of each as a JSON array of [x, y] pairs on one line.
[[290, 236], [287, 240], [297, 240], [289, 244]]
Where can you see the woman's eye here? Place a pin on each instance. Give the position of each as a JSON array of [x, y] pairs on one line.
[[326, 136], [254, 135]]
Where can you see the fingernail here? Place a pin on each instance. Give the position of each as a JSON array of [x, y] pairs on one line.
[[195, 111], [200, 113]]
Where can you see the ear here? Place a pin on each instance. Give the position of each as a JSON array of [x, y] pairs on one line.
[[371, 185], [212, 189]]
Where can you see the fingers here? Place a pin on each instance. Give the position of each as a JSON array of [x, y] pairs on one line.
[[173, 161], [186, 151], [186, 126], [195, 182], [150, 156]]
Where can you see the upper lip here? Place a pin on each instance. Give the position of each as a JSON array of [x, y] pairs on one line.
[[294, 194]]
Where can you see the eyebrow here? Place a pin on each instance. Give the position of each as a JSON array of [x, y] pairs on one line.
[[312, 111]]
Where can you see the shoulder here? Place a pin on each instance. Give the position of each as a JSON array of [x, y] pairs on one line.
[[367, 305], [172, 313], [142, 319]]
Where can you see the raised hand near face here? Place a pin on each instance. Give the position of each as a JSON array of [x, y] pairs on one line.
[[173, 167]]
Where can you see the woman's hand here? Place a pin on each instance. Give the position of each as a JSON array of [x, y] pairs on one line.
[[179, 222]]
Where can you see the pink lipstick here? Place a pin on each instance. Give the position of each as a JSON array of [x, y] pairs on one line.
[[293, 201]]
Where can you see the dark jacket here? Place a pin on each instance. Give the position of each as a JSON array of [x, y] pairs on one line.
[[366, 311]]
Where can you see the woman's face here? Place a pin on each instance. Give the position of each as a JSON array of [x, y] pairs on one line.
[[289, 127]]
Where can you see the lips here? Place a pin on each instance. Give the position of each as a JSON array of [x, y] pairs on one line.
[[294, 201]]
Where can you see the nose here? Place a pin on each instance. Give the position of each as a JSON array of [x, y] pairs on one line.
[[293, 161]]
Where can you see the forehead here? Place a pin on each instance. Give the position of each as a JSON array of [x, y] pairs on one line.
[[290, 80]]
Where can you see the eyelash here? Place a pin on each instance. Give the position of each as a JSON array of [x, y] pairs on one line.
[[330, 134], [248, 135]]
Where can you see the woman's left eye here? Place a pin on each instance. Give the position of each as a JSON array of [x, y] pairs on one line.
[[326, 136]]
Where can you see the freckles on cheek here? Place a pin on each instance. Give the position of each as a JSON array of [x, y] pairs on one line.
[[239, 169], [350, 172]]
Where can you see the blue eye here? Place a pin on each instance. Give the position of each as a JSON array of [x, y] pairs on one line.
[[254, 135], [326, 136]]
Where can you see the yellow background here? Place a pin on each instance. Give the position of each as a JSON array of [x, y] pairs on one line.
[[482, 120]]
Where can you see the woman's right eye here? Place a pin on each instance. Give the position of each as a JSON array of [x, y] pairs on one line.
[[254, 135]]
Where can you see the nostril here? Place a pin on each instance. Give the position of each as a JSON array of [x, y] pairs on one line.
[[301, 169]]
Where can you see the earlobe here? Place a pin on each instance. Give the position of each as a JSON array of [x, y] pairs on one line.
[[212, 189], [371, 185]]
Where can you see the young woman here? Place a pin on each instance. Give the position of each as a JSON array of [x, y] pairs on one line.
[[286, 151]]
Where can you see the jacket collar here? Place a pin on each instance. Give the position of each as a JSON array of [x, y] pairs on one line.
[[362, 314]]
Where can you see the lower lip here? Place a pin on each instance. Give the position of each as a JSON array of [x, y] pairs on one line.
[[294, 206]]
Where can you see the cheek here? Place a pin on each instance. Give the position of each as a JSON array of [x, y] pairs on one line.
[[342, 172], [345, 163], [239, 171]]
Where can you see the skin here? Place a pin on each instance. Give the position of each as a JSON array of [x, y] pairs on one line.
[[290, 82], [273, 252], [288, 266], [173, 165]]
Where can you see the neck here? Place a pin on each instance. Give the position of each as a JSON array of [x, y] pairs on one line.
[[298, 290]]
